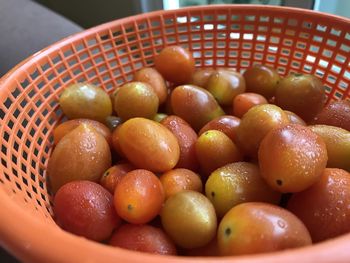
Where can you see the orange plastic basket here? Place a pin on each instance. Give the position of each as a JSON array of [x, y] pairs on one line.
[[236, 36]]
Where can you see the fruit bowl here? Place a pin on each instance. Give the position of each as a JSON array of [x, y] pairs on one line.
[[235, 36]]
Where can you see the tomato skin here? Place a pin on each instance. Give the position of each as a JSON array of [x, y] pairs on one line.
[[201, 76], [255, 124], [114, 174], [292, 158], [225, 85], [293, 118], [325, 206], [214, 149], [302, 94], [136, 99], [236, 183], [195, 105], [139, 196], [226, 124], [85, 100], [176, 64], [189, 219], [262, 80], [138, 137], [243, 102], [186, 138], [336, 113], [83, 154], [144, 238], [155, 80], [64, 128], [180, 179], [255, 227], [86, 209]]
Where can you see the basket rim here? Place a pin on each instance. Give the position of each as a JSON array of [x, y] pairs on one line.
[[19, 239]]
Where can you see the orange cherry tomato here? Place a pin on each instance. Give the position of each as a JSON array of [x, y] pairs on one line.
[[180, 179], [243, 102], [139, 196], [113, 175], [176, 64]]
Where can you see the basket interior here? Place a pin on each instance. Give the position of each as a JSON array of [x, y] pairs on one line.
[[222, 36]]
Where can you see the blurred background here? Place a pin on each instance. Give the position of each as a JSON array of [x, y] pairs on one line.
[[27, 26]]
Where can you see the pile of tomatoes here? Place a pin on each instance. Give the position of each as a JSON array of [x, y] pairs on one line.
[[205, 162]]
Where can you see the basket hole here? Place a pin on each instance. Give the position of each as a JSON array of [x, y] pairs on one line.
[[3, 162], [8, 103], [45, 67], [35, 74], [10, 124], [345, 48], [16, 146], [2, 113], [28, 143], [23, 103], [16, 92], [18, 186], [292, 22], [314, 49], [6, 136], [340, 58], [4, 149], [68, 53], [307, 25], [321, 28], [331, 43], [347, 36], [16, 113], [24, 155], [14, 171], [336, 32], [14, 158]]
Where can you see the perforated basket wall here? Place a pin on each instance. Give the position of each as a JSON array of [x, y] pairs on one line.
[[290, 40]]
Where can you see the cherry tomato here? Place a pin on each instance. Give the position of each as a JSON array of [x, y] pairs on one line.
[[292, 158], [243, 102], [262, 80], [325, 206], [113, 175], [214, 149], [176, 64], [84, 100], [85, 209], [195, 105], [83, 154], [136, 99], [144, 238], [237, 183], [189, 219], [225, 85], [139, 196], [302, 94], [148, 144], [336, 113], [254, 227], [180, 179], [255, 124]]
